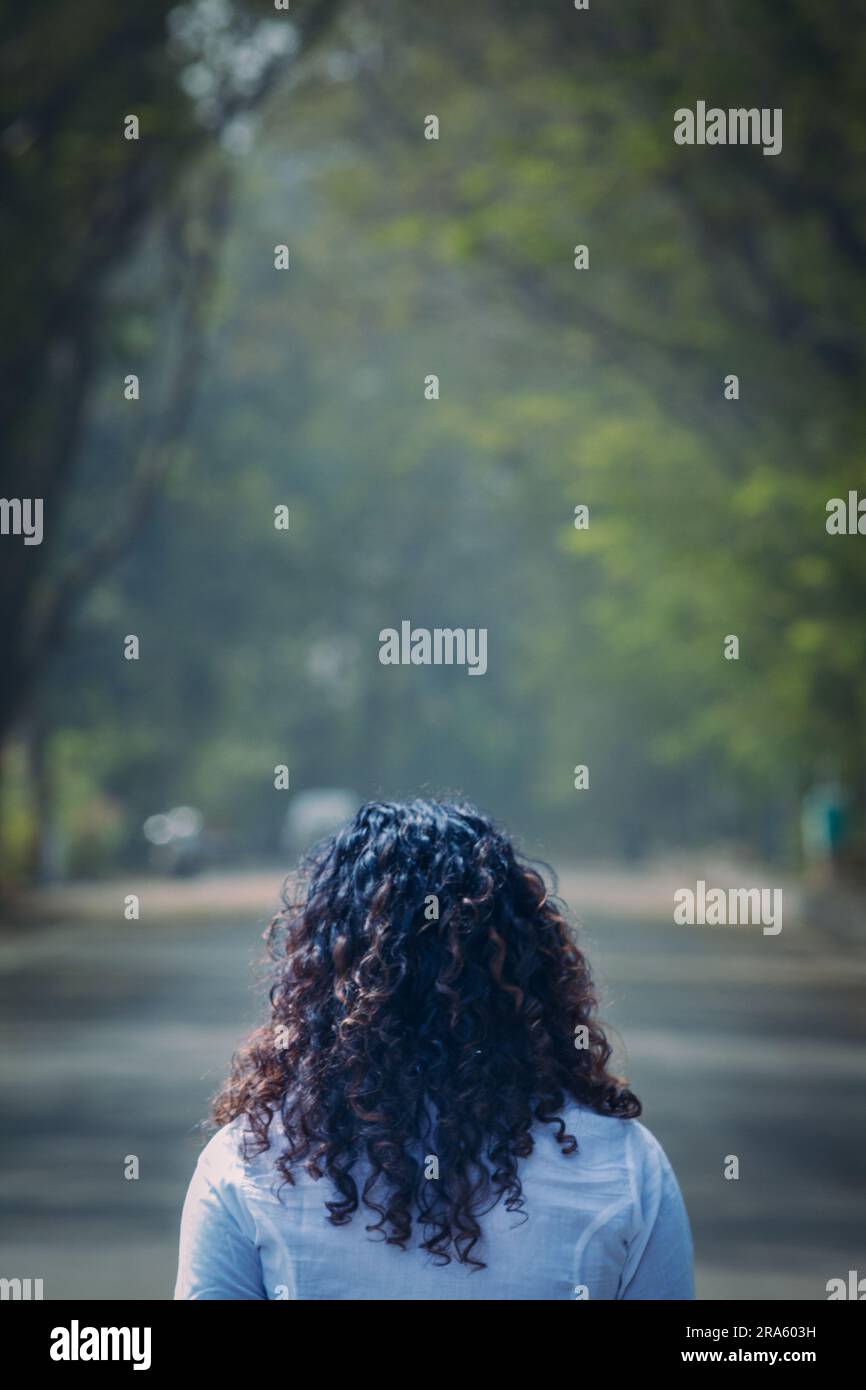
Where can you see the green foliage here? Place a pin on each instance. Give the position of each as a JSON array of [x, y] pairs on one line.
[[559, 387]]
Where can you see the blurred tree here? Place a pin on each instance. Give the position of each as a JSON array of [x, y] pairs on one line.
[[76, 195]]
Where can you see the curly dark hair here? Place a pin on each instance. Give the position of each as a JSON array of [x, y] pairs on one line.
[[426, 1000]]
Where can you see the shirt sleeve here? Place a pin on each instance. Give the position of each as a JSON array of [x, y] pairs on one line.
[[660, 1260], [218, 1255]]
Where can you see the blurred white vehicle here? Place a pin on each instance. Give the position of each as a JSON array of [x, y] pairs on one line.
[[176, 841], [314, 814]]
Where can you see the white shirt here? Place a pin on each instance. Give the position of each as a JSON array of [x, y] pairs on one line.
[[607, 1222]]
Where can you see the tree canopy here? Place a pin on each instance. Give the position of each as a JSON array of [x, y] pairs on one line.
[[559, 387]]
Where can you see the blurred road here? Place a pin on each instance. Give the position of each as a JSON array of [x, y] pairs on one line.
[[114, 1036]]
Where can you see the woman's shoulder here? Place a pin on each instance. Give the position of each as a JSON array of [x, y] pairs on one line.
[[232, 1158], [228, 1157], [629, 1140]]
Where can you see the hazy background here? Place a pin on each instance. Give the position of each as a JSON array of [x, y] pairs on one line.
[[259, 647]]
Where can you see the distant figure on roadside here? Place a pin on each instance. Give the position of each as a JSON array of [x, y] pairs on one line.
[[428, 1112], [824, 826]]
